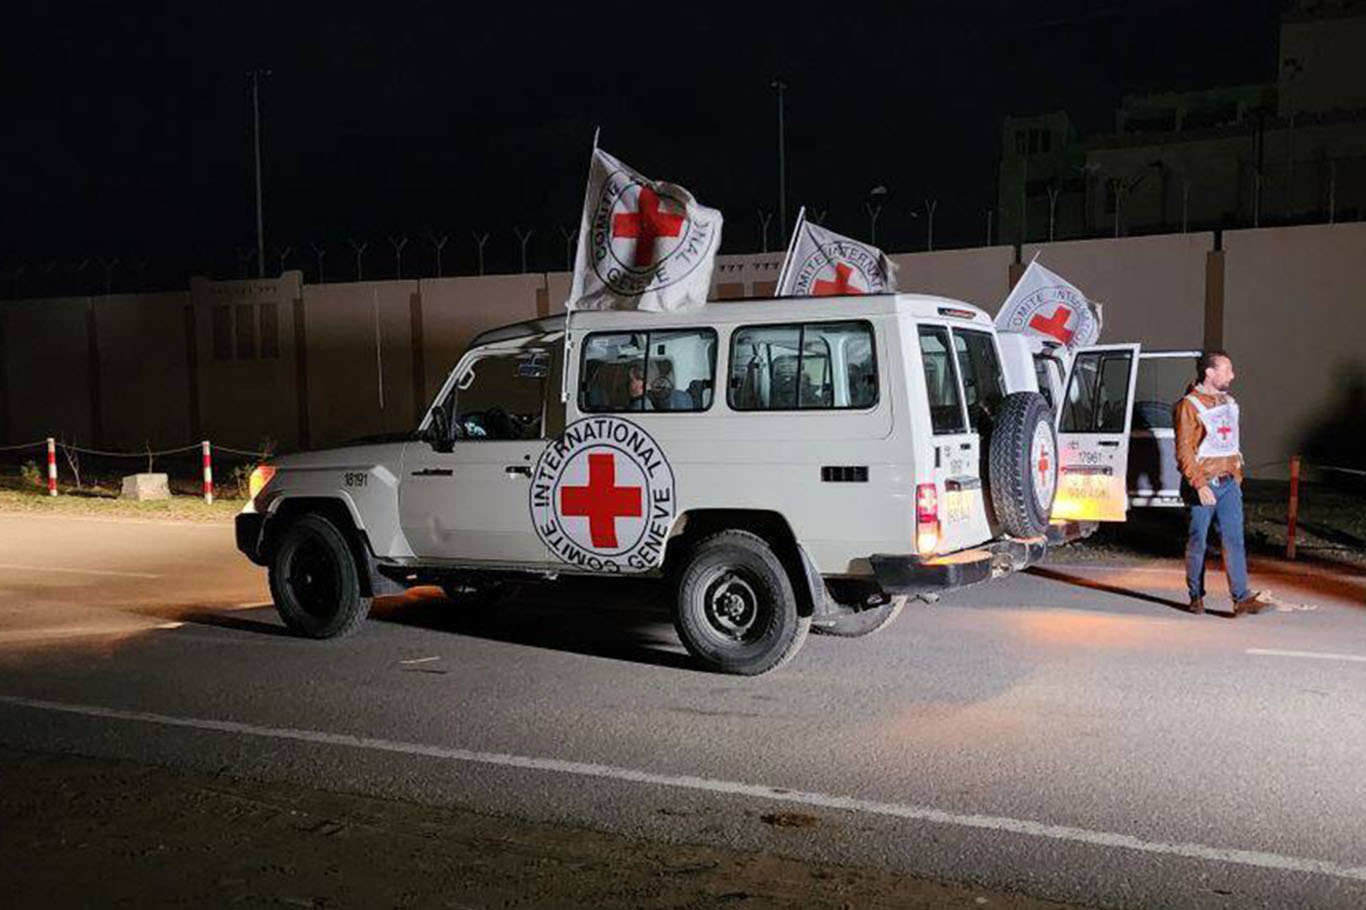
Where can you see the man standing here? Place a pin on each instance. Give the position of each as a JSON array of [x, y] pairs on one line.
[[1206, 420]]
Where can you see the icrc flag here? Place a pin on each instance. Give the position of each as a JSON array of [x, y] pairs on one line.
[[821, 263], [643, 244], [1047, 305]]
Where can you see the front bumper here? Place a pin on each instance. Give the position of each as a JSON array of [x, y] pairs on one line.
[[901, 574], [249, 526]]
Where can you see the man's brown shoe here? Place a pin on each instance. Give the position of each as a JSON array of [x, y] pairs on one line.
[[1255, 602], [1197, 605]]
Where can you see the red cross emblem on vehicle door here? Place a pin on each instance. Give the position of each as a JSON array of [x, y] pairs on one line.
[[602, 502], [645, 225], [1054, 326], [1224, 432], [840, 285]]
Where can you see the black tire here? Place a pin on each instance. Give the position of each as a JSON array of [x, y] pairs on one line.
[[1024, 464], [315, 581], [735, 609], [864, 622]]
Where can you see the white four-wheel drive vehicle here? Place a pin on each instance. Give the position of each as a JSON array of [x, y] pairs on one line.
[[782, 464]]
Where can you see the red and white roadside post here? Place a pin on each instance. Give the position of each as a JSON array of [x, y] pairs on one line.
[[208, 471], [51, 466]]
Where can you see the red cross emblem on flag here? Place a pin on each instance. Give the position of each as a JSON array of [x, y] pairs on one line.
[[602, 502], [840, 285], [1054, 326], [646, 225], [1224, 431]]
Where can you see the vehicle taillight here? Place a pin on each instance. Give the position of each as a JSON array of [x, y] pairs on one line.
[[926, 519]]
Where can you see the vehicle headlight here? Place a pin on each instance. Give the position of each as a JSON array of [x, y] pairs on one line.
[[259, 478]]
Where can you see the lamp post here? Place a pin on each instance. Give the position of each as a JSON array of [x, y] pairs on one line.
[[480, 239], [438, 244], [255, 77], [930, 206], [522, 239], [780, 87], [398, 243], [360, 251], [568, 236], [764, 219], [320, 252], [879, 193]]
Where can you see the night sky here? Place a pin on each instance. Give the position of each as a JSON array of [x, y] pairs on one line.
[[128, 127]]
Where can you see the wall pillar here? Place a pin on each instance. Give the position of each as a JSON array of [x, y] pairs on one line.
[[1214, 299]]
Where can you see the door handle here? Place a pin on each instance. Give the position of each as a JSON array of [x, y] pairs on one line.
[[1111, 443], [434, 472], [514, 470]]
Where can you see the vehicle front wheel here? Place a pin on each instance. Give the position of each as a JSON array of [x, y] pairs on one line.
[[315, 581], [736, 611]]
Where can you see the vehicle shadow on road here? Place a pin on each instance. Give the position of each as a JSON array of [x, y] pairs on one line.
[[618, 621], [1094, 585], [208, 617]]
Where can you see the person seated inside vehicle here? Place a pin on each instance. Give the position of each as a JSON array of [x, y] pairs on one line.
[[661, 391], [639, 401]]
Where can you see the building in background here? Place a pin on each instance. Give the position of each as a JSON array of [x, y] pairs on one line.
[[1284, 152]]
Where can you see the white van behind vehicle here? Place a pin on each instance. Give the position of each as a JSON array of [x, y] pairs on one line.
[[782, 463]]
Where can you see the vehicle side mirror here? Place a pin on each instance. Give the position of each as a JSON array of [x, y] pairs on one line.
[[439, 430]]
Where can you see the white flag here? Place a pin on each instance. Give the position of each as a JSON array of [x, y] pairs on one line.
[[643, 244], [1043, 304], [821, 263]]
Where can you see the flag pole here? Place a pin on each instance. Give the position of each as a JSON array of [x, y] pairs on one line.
[[791, 245], [566, 378]]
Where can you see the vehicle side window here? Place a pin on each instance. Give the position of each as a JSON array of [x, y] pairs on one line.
[[1113, 398], [663, 370], [1098, 393], [810, 366], [500, 397], [984, 384], [941, 381]]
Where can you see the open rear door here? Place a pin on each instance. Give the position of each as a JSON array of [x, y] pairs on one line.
[[1154, 476], [1094, 419]]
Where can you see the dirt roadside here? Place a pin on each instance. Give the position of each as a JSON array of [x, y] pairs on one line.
[[80, 832]]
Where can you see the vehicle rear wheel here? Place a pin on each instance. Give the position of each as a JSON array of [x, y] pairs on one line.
[[736, 611], [315, 582], [864, 622], [1024, 464]]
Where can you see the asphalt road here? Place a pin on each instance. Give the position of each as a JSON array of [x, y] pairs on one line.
[[1068, 734]]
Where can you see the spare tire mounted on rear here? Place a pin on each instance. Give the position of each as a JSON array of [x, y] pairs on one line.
[[1024, 464]]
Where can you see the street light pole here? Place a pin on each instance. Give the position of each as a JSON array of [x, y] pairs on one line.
[[782, 160], [255, 76]]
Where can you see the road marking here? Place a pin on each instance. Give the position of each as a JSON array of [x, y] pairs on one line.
[[21, 568], [1313, 655], [1256, 858]]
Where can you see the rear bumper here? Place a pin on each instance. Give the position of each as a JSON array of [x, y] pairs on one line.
[[248, 526], [914, 575]]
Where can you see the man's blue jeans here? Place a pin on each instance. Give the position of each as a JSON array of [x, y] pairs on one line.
[[1228, 511]]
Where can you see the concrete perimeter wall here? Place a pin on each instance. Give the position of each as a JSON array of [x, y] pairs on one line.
[[1295, 325], [305, 366], [1151, 289]]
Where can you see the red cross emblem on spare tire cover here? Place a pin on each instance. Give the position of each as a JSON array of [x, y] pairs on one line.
[[603, 497]]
